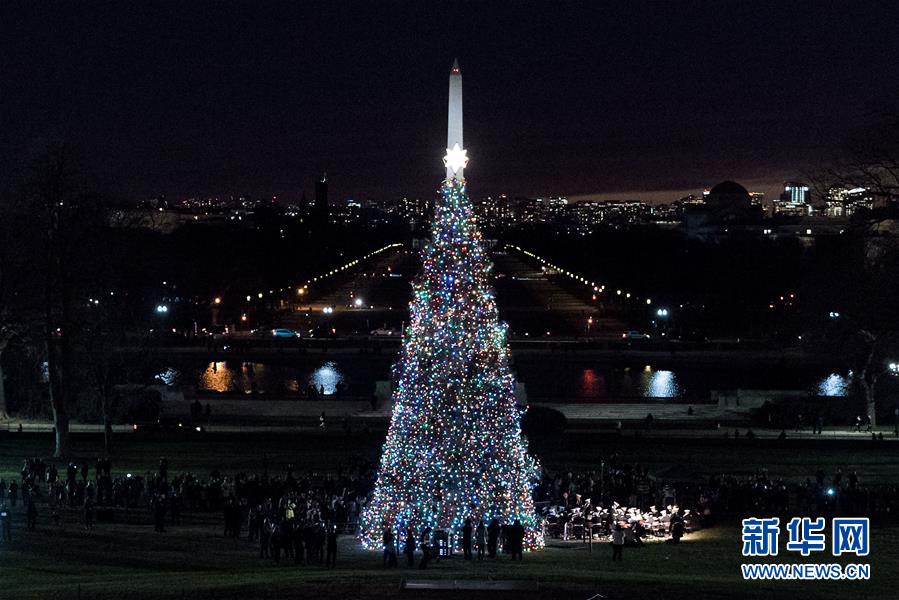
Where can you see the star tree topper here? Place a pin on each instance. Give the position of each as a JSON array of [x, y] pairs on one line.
[[456, 158]]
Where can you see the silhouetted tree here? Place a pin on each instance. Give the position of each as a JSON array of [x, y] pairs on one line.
[[64, 217]]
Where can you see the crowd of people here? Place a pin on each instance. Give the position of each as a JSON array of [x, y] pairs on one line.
[[485, 539], [298, 517]]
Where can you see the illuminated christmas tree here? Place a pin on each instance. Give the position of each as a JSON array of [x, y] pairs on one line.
[[454, 449]]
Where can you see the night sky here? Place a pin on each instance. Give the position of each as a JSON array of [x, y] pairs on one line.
[[188, 98]]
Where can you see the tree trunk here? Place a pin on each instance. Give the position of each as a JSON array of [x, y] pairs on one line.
[[869, 381], [870, 402], [57, 401], [61, 425]]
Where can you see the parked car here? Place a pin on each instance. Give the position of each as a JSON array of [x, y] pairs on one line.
[[635, 335], [283, 332], [384, 332]]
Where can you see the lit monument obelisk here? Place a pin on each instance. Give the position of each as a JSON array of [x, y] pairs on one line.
[[456, 156]]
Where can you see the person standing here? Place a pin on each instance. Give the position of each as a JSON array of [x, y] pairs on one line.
[[425, 543], [331, 558], [409, 546], [492, 538], [265, 534], [516, 532], [389, 547], [617, 541], [466, 539], [480, 537], [677, 529]]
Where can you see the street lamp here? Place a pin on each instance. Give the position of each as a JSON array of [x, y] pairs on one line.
[[358, 302]]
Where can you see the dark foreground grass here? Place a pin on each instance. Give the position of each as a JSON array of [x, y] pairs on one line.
[[194, 561], [128, 560]]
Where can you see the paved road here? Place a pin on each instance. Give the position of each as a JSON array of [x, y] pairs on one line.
[[377, 419], [383, 289], [533, 303], [530, 302]]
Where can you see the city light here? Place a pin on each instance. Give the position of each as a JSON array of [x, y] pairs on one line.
[[596, 288], [358, 302], [217, 300]]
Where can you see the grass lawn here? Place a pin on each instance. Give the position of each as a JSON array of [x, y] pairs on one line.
[[677, 459], [128, 560], [194, 561]]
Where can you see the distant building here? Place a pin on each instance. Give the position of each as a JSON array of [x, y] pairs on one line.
[[794, 201], [495, 211], [795, 192], [727, 208], [835, 202], [320, 209]]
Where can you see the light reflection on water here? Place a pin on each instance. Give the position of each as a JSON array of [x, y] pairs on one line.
[[591, 384], [663, 384], [647, 382], [834, 385], [326, 378], [217, 377], [247, 377]]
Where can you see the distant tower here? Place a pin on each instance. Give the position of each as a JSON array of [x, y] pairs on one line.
[[304, 203], [320, 206], [456, 156]]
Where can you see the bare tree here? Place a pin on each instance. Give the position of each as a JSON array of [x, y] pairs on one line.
[[64, 217], [870, 159]]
